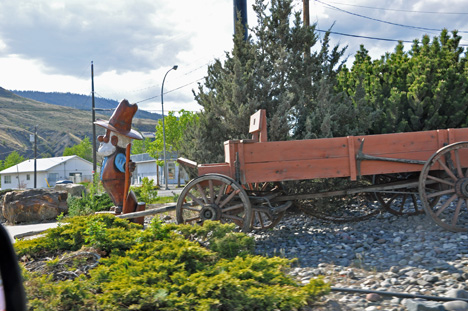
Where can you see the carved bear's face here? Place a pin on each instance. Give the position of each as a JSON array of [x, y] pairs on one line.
[[110, 141]]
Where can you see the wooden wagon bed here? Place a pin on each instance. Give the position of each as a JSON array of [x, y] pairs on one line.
[[437, 157]]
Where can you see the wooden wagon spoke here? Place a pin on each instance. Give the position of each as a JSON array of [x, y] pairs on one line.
[[451, 189], [446, 204], [403, 201], [214, 203], [229, 198], [210, 185], [220, 193], [191, 209], [202, 193], [262, 194], [260, 218], [457, 212], [232, 207], [192, 219], [440, 193], [396, 201], [458, 164], [440, 180], [447, 169], [232, 217], [195, 199]]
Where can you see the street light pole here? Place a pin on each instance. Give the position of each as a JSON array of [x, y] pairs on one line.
[[164, 129]]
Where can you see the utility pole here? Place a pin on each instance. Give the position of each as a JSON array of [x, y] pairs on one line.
[[35, 157], [94, 117], [306, 24], [305, 12], [240, 6], [33, 139]]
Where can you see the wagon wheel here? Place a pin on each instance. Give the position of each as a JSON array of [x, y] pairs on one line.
[[399, 201], [445, 176], [337, 208], [214, 197], [264, 215]]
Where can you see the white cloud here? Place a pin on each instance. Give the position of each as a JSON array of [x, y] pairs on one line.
[[48, 45]]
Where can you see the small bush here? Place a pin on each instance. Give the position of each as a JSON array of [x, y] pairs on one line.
[[91, 201], [159, 269], [147, 192], [88, 204]]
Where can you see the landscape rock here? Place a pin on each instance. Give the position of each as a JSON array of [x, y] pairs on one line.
[[457, 293], [456, 305], [373, 297], [34, 205], [423, 305], [338, 252], [72, 189]]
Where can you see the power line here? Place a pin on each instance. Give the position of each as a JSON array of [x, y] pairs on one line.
[[382, 21], [170, 91], [400, 10], [364, 37], [370, 38]]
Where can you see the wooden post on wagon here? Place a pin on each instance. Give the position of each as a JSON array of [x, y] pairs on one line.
[[258, 126]]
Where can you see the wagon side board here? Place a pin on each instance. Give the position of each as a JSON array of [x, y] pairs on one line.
[[331, 157]]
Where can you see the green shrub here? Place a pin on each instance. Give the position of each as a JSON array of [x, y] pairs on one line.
[[79, 231], [88, 204], [93, 200], [147, 192], [160, 269]]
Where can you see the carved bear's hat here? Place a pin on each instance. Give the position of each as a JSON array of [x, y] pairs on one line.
[[121, 120]]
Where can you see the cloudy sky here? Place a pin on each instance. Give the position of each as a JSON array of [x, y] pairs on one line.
[[48, 45]]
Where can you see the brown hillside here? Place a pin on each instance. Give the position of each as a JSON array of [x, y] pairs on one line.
[[57, 127]]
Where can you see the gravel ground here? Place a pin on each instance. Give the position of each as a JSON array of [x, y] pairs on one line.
[[387, 253]]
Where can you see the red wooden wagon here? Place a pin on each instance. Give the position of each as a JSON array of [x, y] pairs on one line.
[[245, 189]]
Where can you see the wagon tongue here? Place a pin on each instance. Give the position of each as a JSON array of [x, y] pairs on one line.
[[187, 162]]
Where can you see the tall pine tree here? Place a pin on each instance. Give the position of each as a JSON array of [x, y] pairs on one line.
[[279, 68]]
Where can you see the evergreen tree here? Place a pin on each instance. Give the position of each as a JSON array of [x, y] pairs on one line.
[[274, 70], [422, 89]]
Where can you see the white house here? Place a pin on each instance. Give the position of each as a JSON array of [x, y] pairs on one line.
[[145, 166], [48, 172]]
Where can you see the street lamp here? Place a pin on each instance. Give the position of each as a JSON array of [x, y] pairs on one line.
[[166, 175]]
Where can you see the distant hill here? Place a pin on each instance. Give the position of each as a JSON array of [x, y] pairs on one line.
[[57, 127], [81, 102]]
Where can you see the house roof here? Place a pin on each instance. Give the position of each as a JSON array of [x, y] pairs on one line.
[[144, 157], [43, 164]]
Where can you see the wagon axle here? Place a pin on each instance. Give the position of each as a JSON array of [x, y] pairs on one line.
[[461, 188], [210, 212]]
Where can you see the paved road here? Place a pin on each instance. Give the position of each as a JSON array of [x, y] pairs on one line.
[[170, 192], [22, 229]]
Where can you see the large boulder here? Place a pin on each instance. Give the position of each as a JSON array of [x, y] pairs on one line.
[[2, 194], [34, 205], [72, 189]]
